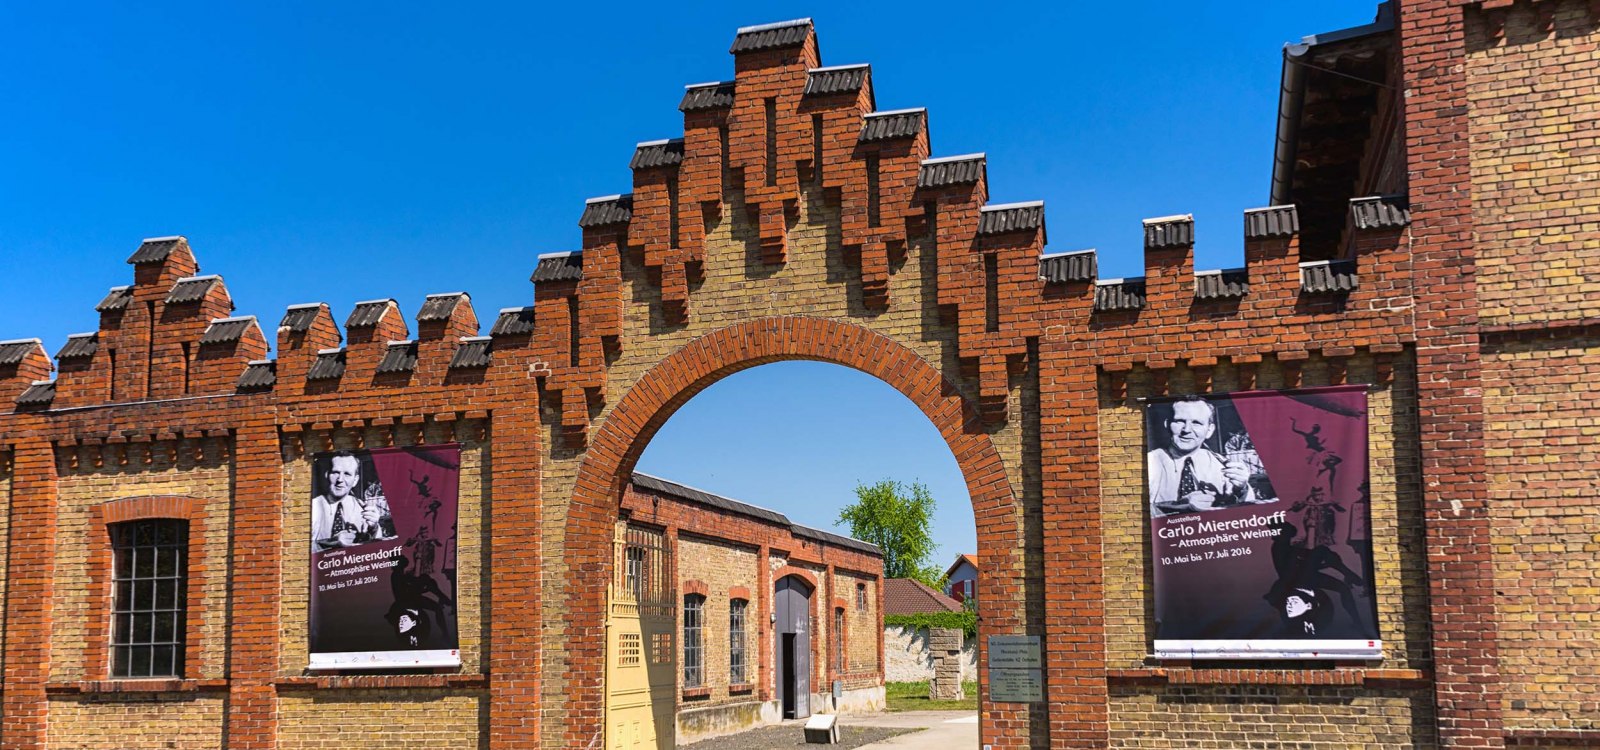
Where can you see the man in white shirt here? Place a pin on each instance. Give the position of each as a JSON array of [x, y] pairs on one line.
[[338, 519], [1186, 476]]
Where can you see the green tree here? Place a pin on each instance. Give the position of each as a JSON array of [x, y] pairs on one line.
[[896, 518]]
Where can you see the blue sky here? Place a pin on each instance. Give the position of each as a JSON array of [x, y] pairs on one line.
[[345, 151]]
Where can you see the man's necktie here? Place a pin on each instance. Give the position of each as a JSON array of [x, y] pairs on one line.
[[1186, 483]]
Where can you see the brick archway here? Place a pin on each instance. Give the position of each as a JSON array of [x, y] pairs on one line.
[[627, 430]]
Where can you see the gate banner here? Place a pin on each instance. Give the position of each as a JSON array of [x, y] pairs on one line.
[[1260, 525], [383, 551]]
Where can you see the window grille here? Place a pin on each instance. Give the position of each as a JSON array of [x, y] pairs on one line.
[[148, 581], [861, 597], [736, 612], [694, 673]]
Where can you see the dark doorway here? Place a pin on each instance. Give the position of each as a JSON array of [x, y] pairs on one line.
[[792, 605]]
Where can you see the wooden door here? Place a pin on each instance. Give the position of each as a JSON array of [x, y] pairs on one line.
[[792, 604]]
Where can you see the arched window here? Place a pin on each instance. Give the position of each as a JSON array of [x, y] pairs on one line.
[[148, 580], [736, 613], [694, 672]]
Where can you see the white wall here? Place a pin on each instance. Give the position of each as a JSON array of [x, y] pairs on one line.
[[906, 657]]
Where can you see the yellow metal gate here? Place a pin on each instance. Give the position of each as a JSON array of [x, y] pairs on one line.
[[641, 673]]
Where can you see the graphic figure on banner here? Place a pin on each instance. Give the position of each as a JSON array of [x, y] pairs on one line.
[[425, 548]]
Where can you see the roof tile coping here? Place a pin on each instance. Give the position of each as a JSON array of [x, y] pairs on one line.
[[836, 79], [227, 330], [39, 393], [513, 321], [770, 36], [472, 352], [437, 307], [80, 345], [260, 374], [1220, 283], [192, 288], [892, 124], [708, 95], [1126, 293], [607, 209], [1328, 276], [1071, 265], [564, 266], [15, 350], [298, 318], [1271, 221], [364, 316], [1380, 211], [155, 249], [1003, 218], [952, 170], [666, 152], [116, 298], [1169, 231]]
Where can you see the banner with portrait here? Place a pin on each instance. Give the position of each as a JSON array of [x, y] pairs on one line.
[[1260, 525], [383, 558]]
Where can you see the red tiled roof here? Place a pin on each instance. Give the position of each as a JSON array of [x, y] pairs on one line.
[[904, 596], [962, 558]]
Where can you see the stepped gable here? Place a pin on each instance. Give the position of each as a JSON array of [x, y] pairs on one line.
[[169, 334], [782, 124]]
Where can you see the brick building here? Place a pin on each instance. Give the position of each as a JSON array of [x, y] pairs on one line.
[[1432, 222], [728, 561]]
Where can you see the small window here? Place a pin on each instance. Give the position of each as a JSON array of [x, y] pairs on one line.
[[861, 597], [736, 611], [694, 673], [838, 640], [147, 583]]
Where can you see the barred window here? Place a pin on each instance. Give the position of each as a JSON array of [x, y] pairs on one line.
[[694, 673], [861, 597], [838, 640], [633, 567], [736, 610], [148, 577]]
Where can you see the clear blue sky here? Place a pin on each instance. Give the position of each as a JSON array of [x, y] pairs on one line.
[[344, 151]]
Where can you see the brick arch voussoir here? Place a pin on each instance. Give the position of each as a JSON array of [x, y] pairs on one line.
[[672, 382]]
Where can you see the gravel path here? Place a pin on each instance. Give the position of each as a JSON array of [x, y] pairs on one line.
[[793, 735]]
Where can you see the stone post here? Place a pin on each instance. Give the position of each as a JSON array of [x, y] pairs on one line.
[[944, 645]]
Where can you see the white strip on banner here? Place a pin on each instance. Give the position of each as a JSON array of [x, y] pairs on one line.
[[385, 659], [1270, 649]]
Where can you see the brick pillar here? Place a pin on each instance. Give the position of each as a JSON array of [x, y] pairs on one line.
[[257, 528], [1074, 587], [514, 626], [1467, 682], [30, 596]]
